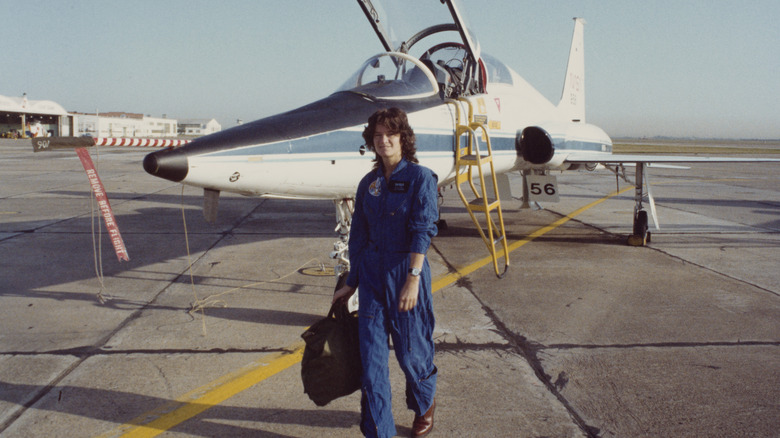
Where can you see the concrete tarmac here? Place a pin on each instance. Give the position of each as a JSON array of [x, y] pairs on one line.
[[584, 337]]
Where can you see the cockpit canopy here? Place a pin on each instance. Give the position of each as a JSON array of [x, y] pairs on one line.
[[429, 50], [453, 53], [392, 75], [400, 23]]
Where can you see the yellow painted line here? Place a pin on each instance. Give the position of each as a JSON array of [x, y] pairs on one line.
[[212, 394], [466, 270]]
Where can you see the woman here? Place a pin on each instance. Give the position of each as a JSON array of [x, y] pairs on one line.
[[392, 227]]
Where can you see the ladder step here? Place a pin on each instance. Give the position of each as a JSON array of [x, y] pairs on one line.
[[479, 204], [472, 159]]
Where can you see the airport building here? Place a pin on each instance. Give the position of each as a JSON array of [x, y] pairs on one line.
[[20, 116], [119, 124], [198, 127]]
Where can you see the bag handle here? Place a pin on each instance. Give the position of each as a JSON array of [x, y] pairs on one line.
[[338, 310]]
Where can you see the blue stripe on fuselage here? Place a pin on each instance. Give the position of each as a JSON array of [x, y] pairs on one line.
[[576, 145], [350, 141], [333, 142]]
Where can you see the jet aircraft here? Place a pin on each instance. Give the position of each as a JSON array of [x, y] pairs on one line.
[[462, 104]]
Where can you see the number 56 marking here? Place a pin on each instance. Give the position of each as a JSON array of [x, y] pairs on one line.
[[542, 188]]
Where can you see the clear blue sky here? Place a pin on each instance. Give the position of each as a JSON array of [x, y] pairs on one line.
[[706, 68]]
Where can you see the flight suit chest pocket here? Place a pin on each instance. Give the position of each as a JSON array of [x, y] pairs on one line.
[[398, 198], [392, 206], [397, 206]]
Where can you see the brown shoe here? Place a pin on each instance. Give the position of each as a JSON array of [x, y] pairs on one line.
[[423, 425]]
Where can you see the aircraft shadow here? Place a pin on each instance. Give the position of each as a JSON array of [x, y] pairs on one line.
[[214, 421], [66, 248], [465, 231]]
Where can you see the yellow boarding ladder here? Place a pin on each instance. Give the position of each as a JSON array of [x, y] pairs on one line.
[[466, 159]]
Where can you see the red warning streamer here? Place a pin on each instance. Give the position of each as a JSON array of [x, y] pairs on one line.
[[139, 142], [103, 204]]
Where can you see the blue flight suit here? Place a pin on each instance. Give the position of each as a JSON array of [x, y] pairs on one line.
[[391, 219]]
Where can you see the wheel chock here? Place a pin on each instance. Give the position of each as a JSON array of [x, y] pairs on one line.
[[636, 240]]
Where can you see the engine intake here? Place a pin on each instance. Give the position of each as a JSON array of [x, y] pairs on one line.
[[535, 145]]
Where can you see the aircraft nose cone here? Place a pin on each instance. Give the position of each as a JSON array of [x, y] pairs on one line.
[[171, 165]]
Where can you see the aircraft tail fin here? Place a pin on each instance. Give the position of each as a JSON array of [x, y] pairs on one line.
[[572, 104]]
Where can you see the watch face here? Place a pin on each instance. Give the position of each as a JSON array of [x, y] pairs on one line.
[[414, 271]]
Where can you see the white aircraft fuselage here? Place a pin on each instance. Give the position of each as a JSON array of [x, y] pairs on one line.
[[317, 151]]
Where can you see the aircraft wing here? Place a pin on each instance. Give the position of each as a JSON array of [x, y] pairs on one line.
[[640, 235], [606, 158]]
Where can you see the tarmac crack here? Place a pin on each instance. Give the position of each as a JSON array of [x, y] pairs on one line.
[[731, 277], [661, 345], [88, 352], [723, 274], [527, 349], [460, 346]]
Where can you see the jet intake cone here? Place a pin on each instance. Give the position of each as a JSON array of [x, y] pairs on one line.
[[171, 165]]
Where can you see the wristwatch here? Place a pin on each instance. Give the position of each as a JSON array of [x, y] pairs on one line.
[[415, 271]]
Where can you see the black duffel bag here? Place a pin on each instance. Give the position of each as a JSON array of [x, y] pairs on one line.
[[331, 360]]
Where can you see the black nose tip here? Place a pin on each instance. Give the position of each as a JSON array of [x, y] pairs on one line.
[[171, 165]]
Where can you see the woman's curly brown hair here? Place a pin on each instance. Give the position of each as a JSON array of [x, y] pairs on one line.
[[395, 120]]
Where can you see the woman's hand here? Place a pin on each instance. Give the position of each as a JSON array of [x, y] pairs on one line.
[[407, 299], [409, 293], [343, 294]]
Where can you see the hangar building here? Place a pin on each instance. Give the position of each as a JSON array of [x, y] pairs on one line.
[[18, 115], [22, 117]]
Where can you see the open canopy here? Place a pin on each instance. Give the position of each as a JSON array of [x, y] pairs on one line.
[[392, 76], [399, 24], [449, 51]]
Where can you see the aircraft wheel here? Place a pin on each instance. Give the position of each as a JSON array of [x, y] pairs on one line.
[[640, 223], [640, 236]]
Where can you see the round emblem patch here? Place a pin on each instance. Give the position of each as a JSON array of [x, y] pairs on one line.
[[375, 188]]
